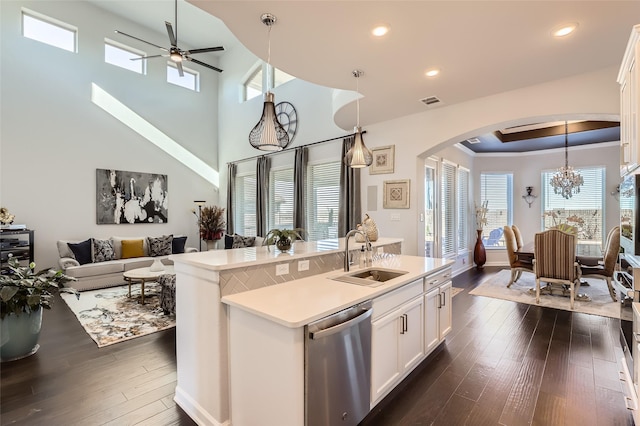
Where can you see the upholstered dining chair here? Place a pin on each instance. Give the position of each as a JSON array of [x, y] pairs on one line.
[[518, 265], [518, 235], [555, 261], [604, 266]]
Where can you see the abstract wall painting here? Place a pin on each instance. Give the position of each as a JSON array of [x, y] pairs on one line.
[[131, 197]]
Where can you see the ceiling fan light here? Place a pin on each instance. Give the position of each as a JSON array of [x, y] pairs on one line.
[[268, 134], [175, 57], [358, 156]]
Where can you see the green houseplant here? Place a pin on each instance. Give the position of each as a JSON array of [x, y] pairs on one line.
[[24, 294], [282, 237]]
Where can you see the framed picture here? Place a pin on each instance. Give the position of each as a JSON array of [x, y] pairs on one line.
[[396, 194], [383, 160]]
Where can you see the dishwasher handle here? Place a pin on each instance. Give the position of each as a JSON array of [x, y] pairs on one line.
[[315, 335]]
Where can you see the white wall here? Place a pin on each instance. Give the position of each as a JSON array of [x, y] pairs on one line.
[[53, 137]]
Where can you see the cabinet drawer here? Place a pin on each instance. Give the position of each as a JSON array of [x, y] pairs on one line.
[[435, 280], [395, 298]]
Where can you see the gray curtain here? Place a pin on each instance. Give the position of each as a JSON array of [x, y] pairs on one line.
[[299, 188], [231, 190], [262, 194], [349, 214]]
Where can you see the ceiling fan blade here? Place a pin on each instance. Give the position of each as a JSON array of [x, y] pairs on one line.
[[180, 70], [172, 37], [139, 39], [148, 57], [206, 49], [203, 64]]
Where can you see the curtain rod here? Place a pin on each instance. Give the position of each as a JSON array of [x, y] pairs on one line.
[[292, 149]]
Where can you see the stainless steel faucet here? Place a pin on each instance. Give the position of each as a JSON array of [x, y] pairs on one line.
[[351, 233]]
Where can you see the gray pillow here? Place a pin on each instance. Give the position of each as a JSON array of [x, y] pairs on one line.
[[240, 242], [103, 250], [160, 246]]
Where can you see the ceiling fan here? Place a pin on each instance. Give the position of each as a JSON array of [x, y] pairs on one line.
[[174, 53]]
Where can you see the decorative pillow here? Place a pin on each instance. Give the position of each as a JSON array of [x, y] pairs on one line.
[[132, 248], [160, 246], [177, 245], [82, 251], [228, 241], [239, 241], [103, 250]]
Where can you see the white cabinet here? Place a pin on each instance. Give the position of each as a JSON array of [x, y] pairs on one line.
[[397, 340], [628, 78], [437, 316]]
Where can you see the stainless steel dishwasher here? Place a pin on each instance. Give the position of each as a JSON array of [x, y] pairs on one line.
[[338, 367]]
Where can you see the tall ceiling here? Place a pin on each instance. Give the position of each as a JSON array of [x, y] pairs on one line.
[[481, 47]]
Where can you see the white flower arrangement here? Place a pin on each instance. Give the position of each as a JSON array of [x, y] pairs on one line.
[[481, 215]]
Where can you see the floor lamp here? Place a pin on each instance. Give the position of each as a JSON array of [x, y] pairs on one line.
[[199, 203]]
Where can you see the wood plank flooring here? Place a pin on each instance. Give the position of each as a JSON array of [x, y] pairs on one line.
[[503, 364]]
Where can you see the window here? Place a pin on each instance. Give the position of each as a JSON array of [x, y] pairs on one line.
[[583, 210], [124, 57], [48, 30], [448, 209], [463, 208], [255, 84], [323, 197], [281, 199], [190, 80], [497, 190], [244, 205]]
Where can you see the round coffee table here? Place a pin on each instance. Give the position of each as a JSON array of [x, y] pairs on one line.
[[142, 275]]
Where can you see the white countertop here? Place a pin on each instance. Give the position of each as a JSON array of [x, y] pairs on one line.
[[297, 303], [219, 260]]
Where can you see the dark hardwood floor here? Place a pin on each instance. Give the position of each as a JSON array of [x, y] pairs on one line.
[[503, 364]]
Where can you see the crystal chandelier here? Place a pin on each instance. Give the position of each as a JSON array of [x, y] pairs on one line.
[[268, 134], [566, 181]]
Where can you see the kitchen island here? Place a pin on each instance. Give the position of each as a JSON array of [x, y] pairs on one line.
[[267, 335], [202, 328]]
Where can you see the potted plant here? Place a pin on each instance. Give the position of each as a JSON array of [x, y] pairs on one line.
[[282, 237], [212, 225], [23, 295]]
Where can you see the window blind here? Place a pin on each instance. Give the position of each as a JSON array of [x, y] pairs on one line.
[[463, 208], [244, 205], [323, 194], [497, 189], [448, 204], [281, 199]]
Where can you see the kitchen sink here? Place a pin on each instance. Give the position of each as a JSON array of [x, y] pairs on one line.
[[371, 277]]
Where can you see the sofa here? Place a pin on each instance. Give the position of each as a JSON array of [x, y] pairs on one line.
[[99, 263]]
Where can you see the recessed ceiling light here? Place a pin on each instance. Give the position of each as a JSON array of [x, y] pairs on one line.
[[564, 30], [432, 72], [380, 30]]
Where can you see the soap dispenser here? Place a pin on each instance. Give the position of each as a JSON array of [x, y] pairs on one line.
[[362, 260]]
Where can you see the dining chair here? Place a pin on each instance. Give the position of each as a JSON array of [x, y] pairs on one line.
[[555, 261], [603, 267], [518, 235], [517, 264]]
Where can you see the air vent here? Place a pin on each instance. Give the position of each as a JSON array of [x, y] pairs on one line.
[[431, 101], [473, 141]]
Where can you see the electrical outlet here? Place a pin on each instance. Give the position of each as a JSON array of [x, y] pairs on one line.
[[395, 218], [282, 269], [303, 265]]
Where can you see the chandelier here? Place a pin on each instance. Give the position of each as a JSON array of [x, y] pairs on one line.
[[358, 156], [566, 181]]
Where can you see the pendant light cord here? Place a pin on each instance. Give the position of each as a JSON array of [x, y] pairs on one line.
[[358, 100], [566, 145], [269, 59]]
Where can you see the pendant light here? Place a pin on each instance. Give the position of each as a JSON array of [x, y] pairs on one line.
[[268, 134], [566, 181], [358, 156]]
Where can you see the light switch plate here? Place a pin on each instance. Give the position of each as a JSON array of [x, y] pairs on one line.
[[395, 217], [282, 269], [303, 265]]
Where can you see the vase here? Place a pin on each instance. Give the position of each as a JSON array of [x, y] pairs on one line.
[[284, 244], [479, 253], [19, 335], [212, 244], [156, 266]]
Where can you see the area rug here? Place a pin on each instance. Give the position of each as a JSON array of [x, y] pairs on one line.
[[456, 290], [600, 304], [109, 316]]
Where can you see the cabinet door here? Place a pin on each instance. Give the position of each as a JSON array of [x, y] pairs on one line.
[[432, 319], [412, 337], [445, 310], [385, 359]]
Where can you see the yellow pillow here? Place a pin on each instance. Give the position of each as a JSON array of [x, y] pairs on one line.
[[132, 248]]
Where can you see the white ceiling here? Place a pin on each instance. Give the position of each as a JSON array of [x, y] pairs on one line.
[[481, 47]]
